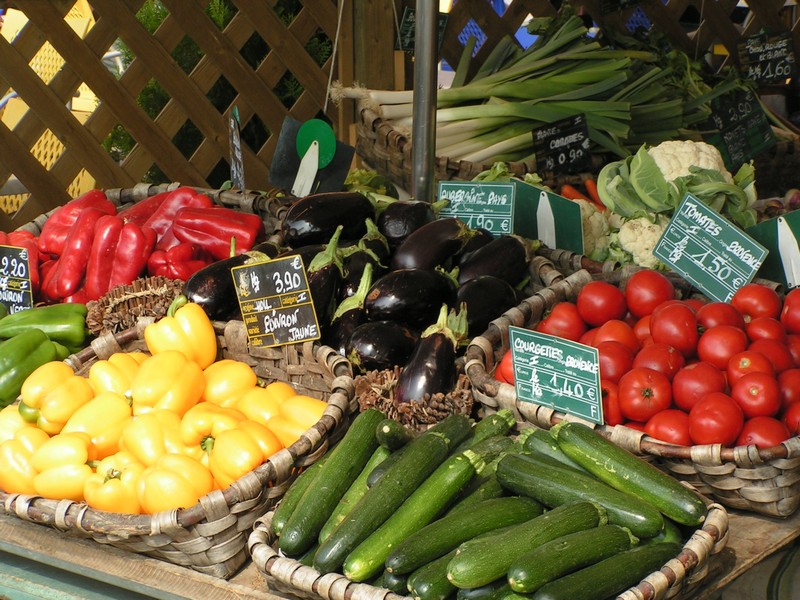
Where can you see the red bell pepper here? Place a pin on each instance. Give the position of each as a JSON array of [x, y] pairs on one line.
[[66, 275], [142, 210], [179, 262], [118, 255], [161, 220], [28, 241], [59, 224], [213, 228]]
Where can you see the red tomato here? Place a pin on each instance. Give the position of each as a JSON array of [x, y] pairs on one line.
[[717, 344], [647, 289], [564, 321], [791, 418], [643, 392], [756, 300], [789, 386], [588, 337], [777, 352], [671, 425], [615, 360], [634, 425], [764, 432], [641, 329], [675, 324], [694, 381], [617, 331], [747, 362], [505, 369], [694, 303], [660, 357], [790, 313], [600, 301], [758, 394], [719, 313], [612, 415], [765, 328], [793, 344], [716, 419]]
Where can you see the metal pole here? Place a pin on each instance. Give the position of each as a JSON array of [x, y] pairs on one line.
[[423, 131]]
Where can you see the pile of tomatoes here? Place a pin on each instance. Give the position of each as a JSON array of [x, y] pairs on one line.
[[689, 371]]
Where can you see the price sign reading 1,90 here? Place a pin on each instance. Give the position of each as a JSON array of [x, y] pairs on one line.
[[15, 279], [558, 373], [275, 302], [708, 250], [488, 206]]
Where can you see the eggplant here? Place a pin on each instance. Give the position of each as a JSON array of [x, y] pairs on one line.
[[314, 218], [306, 253], [481, 237], [374, 241], [324, 275], [401, 217], [432, 245], [486, 298], [270, 248], [505, 257], [354, 260], [348, 315], [410, 296], [432, 366], [212, 287], [380, 345]]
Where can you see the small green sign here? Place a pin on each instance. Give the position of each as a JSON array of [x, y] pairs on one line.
[[558, 373], [486, 205], [780, 237], [708, 250]]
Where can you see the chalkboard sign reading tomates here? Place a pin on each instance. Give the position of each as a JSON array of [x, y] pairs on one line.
[[558, 373], [767, 59], [275, 302], [15, 279], [563, 146]]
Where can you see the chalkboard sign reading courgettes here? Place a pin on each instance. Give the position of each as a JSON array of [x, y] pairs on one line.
[[15, 279], [275, 302]]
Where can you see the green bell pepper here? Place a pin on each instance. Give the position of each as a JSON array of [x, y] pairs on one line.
[[63, 323], [19, 357]]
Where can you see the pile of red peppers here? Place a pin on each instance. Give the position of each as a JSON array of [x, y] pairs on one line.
[[87, 246]]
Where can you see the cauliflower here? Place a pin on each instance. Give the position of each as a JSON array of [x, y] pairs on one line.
[[635, 240], [595, 231], [674, 157]]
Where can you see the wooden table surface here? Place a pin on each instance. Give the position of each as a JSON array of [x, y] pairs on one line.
[[751, 539]]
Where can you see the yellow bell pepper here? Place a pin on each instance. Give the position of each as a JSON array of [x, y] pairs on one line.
[[16, 468], [236, 452], [168, 380], [187, 329], [174, 481], [204, 422], [62, 466], [288, 431], [104, 417], [11, 421], [149, 436], [259, 404], [113, 487], [303, 410], [52, 393], [227, 380], [116, 373]]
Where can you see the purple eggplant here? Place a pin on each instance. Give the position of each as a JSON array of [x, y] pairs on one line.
[[432, 366], [481, 238], [432, 245], [313, 219], [410, 296], [400, 218], [486, 297], [380, 345], [306, 253], [506, 257], [374, 241], [348, 315], [324, 276], [354, 260]]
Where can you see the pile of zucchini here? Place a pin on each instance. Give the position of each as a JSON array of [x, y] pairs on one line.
[[474, 510]]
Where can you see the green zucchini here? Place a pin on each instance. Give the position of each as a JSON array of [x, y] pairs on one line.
[[307, 558], [420, 458], [540, 442], [421, 507], [385, 465], [671, 532], [430, 582], [445, 534], [393, 435], [481, 593], [395, 582], [565, 554], [610, 576], [482, 560], [552, 485], [504, 592], [292, 496], [489, 488], [353, 493], [347, 460], [499, 423], [626, 472]]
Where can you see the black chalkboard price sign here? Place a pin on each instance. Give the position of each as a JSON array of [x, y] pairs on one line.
[[563, 146], [767, 59], [611, 6], [235, 144], [406, 38], [275, 302], [15, 279]]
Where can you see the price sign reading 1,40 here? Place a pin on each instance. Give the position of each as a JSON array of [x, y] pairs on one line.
[[15, 279]]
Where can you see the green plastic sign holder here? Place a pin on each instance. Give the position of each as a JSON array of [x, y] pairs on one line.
[[15, 279], [557, 373], [708, 250], [780, 237]]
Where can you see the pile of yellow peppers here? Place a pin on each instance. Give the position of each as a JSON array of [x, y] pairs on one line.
[[148, 431]]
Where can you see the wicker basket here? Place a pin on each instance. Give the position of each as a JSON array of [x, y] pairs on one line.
[[679, 576], [211, 536], [764, 481]]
